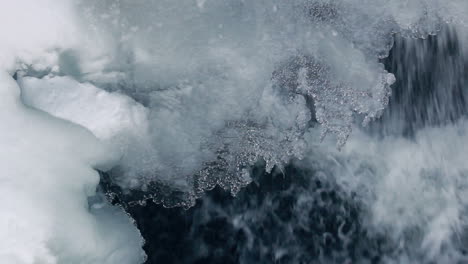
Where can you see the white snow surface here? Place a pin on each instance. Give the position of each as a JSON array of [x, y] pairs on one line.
[[49, 165], [49, 171]]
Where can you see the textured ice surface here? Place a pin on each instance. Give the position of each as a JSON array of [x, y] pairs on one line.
[[228, 84]]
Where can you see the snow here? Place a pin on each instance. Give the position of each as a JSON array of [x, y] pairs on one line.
[[49, 165], [49, 170]]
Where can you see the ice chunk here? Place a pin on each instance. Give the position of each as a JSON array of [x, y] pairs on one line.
[[109, 116]]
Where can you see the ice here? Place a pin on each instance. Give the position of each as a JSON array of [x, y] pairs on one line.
[[216, 67], [112, 117]]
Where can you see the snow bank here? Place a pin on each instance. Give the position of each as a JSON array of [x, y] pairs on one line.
[[48, 164], [48, 174]]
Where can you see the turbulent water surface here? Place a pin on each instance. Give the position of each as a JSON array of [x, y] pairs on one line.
[[232, 131]]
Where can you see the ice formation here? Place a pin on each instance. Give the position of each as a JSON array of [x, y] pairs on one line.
[[189, 95]]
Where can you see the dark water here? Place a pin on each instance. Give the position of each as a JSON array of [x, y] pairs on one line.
[[294, 216], [298, 215]]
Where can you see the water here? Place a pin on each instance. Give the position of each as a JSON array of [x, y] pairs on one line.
[[431, 88]]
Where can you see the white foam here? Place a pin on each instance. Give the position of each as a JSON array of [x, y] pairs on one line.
[[414, 191]]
